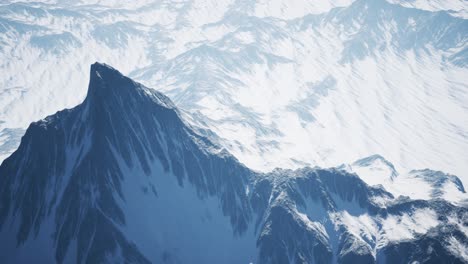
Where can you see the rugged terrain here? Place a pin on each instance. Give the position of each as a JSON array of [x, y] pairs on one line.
[[282, 83], [124, 177]]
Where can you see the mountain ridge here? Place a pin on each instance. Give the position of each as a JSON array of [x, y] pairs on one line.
[[391, 75], [123, 178]]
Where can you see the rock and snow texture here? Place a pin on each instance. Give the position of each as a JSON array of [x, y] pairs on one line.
[[417, 184], [123, 178], [282, 83]]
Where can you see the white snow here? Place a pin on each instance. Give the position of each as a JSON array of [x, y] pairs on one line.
[[411, 184], [380, 231], [455, 7], [271, 78], [397, 228]]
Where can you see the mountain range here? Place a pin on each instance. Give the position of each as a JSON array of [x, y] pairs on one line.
[[126, 177], [281, 83]]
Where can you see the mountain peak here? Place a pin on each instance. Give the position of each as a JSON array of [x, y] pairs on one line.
[[107, 84], [105, 81], [96, 171], [99, 69], [374, 160]]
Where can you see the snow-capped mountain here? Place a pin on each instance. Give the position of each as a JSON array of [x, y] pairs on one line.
[[282, 83], [417, 184], [124, 177]]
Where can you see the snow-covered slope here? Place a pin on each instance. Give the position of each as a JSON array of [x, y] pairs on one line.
[[454, 7], [122, 177], [282, 83], [417, 184]]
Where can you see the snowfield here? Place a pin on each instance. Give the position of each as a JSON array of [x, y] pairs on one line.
[[281, 83]]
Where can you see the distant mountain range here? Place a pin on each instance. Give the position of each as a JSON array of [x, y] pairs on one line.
[[280, 83], [125, 177]]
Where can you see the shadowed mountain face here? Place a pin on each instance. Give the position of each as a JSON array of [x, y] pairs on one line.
[[122, 177]]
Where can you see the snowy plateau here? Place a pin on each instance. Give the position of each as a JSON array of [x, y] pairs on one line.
[[246, 131]]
